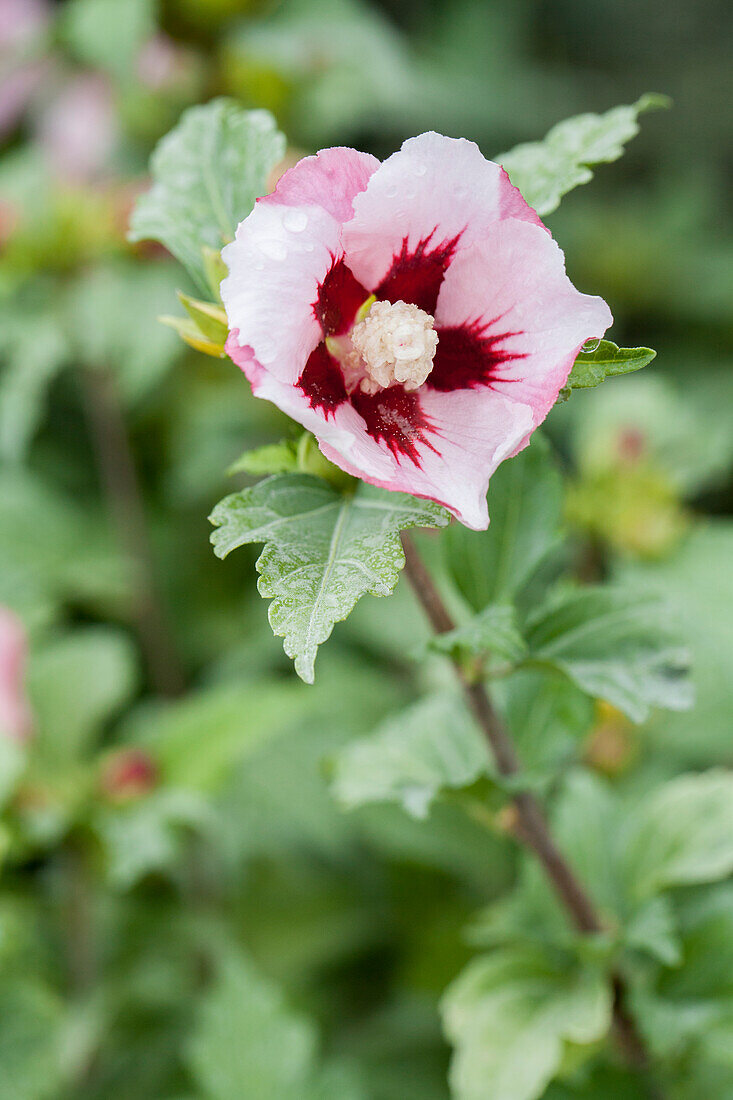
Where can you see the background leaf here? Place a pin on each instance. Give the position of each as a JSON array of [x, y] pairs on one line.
[[30, 1042], [112, 318], [107, 34], [34, 349], [546, 170], [525, 505], [431, 747], [612, 644], [510, 1014], [207, 174], [76, 684], [494, 631], [682, 834], [249, 1042]]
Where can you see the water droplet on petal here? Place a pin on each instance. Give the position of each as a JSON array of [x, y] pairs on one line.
[[420, 169], [295, 220], [308, 246], [391, 191], [591, 345]]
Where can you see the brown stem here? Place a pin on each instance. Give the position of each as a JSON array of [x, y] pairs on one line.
[[532, 827], [122, 488], [77, 922]]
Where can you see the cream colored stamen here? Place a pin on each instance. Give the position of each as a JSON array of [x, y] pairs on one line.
[[395, 342]]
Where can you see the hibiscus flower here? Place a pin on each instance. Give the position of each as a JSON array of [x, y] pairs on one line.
[[414, 314]]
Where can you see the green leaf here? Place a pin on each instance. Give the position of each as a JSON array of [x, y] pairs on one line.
[[76, 684], [106, 34], [546, 170], [199, 740], [511, 1016], [273, 458], [12, 766], [547, 716], [112, 313], [30, 1042], [73, 558], [525, 505], [150, 834], [652, 929], [688, 1013], [247, 1042], [593, 367], [33, 350], [585, 824], [323, 551], [412, 757], [192, 335], [207, 173], [494, 632], [681, 834], [210, 319], [697, 583], [614, 645]]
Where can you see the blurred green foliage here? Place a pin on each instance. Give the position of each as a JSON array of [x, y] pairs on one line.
[[186, 911]]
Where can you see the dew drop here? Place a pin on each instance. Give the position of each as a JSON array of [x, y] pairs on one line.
[[391, 191], [420, 169], [591, 345], [295, 220], [308, 246]]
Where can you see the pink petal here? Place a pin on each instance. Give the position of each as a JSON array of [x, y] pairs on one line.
[[15, 716], [331, 179], [511, 288], [277, 263], [437, 190], [471, 434], [284, 253], [447, 453]]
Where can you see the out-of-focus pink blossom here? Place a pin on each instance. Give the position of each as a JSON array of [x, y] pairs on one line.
[[79, 130], [21, 74], [162, 64], [414, 315], [21, 21], [15, 715]]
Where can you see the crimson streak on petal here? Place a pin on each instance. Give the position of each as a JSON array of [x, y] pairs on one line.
[[397, 418], [339, 298], [416, 274], [322, 381], [468, 356]]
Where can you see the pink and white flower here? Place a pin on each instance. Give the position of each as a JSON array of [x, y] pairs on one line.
[[22, 68], [15, 716], [79, 131], [415, 315]]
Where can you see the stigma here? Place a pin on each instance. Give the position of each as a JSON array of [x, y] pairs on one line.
[[394, 342]]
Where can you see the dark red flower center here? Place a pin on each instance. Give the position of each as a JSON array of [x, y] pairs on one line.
[[467, 357]]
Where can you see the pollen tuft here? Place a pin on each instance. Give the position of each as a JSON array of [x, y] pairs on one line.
[[395, 342]]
